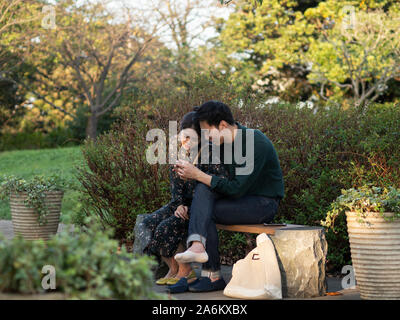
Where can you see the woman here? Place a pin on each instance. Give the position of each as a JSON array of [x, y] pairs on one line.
[[169, 224]]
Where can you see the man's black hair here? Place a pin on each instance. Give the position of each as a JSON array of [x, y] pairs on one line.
[[213, 112]]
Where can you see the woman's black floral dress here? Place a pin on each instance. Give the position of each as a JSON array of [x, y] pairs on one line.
[[167, 229]]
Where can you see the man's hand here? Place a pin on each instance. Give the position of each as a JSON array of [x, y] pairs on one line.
[[182, 212], [186, 170]]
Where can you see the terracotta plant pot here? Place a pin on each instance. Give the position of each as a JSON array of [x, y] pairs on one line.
[[25, 220], [375, 252]]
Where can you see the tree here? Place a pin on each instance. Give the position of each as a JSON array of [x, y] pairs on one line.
[[361, 58], [185, 27], [262, 44], [177, 17], [268, 44], [93, 55], [16, 16]]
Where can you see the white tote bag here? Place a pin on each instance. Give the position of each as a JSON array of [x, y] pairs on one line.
[[257, 276]]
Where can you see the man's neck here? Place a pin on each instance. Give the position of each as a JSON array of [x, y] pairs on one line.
[[234, 130]]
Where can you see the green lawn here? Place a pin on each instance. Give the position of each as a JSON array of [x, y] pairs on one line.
[[26, 163]]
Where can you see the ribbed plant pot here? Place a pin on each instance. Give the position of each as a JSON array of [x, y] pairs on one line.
[[375, 252], [25, 220]]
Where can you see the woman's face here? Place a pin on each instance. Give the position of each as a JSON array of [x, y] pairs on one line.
[[188, 138]]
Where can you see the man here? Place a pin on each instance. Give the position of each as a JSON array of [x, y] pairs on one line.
[[251, 197]]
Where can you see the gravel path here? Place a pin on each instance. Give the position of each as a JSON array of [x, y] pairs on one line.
[[6, 228]]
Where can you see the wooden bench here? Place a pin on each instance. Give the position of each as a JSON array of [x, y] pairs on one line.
[[253, 228]]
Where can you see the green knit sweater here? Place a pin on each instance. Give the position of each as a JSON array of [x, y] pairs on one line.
[[266, 179]]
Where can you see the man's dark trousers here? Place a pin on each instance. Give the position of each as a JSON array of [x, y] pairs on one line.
[[209, 208]]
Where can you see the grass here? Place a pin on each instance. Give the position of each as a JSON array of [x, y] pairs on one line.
[[27, 163]]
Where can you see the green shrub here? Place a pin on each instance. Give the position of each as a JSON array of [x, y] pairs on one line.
[[86, 263], [37, 139], [234, 245], [118, 183]]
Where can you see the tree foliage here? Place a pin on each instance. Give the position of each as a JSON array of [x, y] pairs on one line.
[[361, 57], [277, 44]]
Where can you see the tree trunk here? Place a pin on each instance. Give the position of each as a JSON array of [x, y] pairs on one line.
[[91, 128]]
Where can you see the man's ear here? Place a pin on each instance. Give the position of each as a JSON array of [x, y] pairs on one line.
[[223, 125]]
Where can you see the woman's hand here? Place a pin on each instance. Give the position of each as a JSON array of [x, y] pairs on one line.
[[182, 212], [186, 170]]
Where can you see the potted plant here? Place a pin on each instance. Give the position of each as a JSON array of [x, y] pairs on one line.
[[373, 225], [35, 204]]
